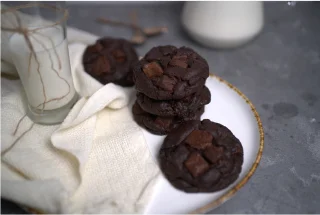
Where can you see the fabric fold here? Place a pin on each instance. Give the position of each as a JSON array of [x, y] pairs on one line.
[[96, 161]]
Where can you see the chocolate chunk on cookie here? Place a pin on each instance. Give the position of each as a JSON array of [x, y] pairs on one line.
[[161, 125], [201, 156], [180, 108], [111, 60], [167, 72]]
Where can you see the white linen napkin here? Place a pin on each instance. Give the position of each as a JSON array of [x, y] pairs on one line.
[[96, 161]]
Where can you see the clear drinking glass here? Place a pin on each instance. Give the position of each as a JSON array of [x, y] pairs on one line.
[[37, 43]]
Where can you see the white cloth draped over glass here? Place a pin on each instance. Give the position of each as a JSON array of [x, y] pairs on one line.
[[96, 161]]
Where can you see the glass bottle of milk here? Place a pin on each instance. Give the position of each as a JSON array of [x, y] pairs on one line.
[[39, 50], [223, 24]]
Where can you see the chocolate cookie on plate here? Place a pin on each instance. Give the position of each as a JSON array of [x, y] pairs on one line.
[[111, 60], [181, 108], [201, 156], [158, 124], [167, 72]]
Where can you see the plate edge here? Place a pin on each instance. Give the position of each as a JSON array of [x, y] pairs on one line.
[[254, 166]]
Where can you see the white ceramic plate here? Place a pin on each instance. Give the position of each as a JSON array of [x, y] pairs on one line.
[[231, 108]]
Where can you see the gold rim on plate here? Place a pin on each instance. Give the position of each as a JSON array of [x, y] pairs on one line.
[[253, 168]]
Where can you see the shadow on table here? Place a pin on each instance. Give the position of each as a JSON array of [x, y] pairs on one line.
[[10, 208]]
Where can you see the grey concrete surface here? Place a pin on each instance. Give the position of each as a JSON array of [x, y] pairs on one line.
[[279, 71]]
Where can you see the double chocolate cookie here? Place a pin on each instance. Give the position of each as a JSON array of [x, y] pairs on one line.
[[181, 108], [111, 61], [201, 156], [167, 72], [159, 124]]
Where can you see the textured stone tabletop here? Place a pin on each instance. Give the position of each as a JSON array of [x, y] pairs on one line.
[[280, 73]]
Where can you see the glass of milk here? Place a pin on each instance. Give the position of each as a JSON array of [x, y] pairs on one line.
[[39, 51]]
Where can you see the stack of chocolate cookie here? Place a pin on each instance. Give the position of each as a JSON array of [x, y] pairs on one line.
[[170, 88]]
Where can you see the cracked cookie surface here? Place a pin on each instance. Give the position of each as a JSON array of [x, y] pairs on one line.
[[111, 60], [201, 156], [167, 72]]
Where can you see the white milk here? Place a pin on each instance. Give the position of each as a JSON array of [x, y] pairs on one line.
[[54, 86], [223, 24]]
